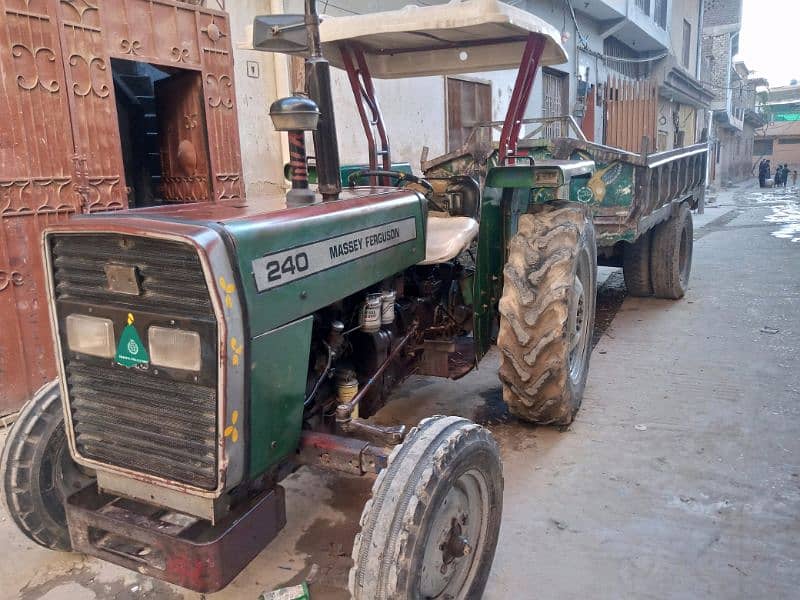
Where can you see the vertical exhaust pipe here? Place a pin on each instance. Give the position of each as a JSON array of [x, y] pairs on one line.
[[318, 85]]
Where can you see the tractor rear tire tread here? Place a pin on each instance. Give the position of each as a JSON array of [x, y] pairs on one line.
[[534, 310]]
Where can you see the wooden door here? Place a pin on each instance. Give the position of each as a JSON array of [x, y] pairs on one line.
[[184, 144], [469, 102]]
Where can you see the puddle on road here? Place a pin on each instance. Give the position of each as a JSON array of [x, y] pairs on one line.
[[785, 207]]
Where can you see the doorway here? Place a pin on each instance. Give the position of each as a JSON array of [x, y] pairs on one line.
[[469, 102], [161, 125]]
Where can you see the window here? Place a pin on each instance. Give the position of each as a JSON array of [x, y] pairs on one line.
[[687, 42], [644, 6], [614, 48], [785, 141], [660, 13], [555, 86]]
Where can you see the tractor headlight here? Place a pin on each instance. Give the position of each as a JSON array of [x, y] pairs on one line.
[[174, 348], [91, 335]]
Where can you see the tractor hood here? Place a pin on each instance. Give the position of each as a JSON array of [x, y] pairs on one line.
[[324, 251]]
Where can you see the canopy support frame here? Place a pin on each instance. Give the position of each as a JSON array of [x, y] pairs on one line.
[[368, 108], [534, 47]]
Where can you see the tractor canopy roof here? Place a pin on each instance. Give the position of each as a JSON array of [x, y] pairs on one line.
[[458, 37]]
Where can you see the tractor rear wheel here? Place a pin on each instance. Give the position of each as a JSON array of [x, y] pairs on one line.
[[431, 527], [671, 255], [38, 473], [547, 313], [636, 266]]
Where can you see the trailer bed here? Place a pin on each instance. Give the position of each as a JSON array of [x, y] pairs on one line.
[[631, 193]]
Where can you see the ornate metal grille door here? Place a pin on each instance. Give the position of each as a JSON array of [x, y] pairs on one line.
[[60, 150]]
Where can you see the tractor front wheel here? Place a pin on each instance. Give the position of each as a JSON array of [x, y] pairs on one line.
[[38, 473], [547, 313], [431, 527]]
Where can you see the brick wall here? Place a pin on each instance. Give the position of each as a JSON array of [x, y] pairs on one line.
[[721, 12], [716, 67]]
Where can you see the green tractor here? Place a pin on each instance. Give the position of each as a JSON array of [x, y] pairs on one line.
[[207, 351]]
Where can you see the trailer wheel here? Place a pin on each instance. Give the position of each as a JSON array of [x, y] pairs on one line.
[[38, 473], [671, 255], [431, 527], [636, 266], [547, 313]]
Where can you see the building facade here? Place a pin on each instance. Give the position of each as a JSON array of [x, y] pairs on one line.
[[779, 138], [620, 51], [735, 117]]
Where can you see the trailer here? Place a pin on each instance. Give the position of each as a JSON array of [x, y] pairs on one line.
[[640, 203]]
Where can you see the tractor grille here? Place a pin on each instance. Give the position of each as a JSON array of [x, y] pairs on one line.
[[171, 275], [139, 419]]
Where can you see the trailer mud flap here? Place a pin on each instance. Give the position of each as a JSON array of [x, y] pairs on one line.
[[171, 546]]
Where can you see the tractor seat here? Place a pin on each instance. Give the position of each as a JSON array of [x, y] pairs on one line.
[[448, 237]]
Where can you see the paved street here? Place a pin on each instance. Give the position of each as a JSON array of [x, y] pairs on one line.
[[679, 479]]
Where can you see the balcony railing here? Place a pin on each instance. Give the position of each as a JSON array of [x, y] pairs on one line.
[[644, 6]]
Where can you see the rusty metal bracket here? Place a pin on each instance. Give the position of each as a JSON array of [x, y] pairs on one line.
[[380, 435], [339, 453], [171, 546]]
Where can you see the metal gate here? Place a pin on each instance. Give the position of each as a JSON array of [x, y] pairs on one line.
[[556, 95], [60, 148]]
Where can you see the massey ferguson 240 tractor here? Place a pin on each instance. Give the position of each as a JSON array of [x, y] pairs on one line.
[[207, 351]]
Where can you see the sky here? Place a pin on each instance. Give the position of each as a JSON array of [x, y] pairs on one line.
[[769, 43]]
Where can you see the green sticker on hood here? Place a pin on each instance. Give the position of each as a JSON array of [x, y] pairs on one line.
[[131, 352]]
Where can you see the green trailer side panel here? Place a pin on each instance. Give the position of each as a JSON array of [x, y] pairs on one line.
[[278, 372], [612, 186], [287, 302]]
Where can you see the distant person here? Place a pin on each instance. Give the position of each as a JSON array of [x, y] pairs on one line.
[[763, 173], [785, 176], [794, 178], [778, 175]]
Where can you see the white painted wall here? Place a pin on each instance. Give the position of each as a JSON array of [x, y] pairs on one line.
[[413, 111], [261, 145]]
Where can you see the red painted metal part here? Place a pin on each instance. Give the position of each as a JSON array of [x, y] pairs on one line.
[[190, 553], [519, 97], [340, 453], [366, 100]]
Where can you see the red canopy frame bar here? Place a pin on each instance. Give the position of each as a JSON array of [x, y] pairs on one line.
[[368, 108], [372, 119], [534, 47]]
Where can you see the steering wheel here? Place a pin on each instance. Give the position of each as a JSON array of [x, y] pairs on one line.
[[401, 177]]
